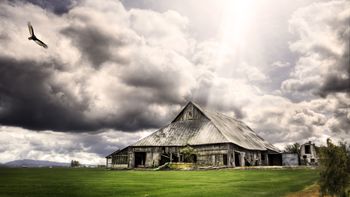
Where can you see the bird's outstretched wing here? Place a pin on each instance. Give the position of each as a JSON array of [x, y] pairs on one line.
[[41, 43], [31, 30]]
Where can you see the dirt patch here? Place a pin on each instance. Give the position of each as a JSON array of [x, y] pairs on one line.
[[310, 191]]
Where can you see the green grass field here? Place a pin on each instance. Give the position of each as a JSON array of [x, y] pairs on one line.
[[106, 183]]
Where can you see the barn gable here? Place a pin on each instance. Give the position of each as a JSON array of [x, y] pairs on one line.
[[190, 112]]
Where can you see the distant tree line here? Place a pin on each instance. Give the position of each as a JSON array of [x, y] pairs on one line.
[[74, 164]]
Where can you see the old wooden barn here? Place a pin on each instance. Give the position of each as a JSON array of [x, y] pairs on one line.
[[217, 140]]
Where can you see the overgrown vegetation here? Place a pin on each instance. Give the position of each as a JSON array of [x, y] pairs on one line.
[[293, 148], [189, 154], [72, 182], [335, 169]]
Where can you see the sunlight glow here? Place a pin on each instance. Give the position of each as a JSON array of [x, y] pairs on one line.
[[236, 20], [234, 26]]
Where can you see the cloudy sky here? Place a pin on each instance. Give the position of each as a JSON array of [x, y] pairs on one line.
[[115, 71]]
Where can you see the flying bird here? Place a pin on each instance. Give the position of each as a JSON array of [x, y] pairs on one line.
[[34, 38]]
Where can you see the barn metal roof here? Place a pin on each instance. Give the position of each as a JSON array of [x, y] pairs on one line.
[[116, 152], [216, 128]]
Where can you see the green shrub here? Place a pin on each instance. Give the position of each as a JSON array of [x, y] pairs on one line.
[[335, 169], [189, 154]]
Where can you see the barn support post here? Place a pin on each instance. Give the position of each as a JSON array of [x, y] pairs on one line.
[[131, 158], [242, 159]]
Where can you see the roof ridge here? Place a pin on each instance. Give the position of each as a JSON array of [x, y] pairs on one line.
[[205, 112], [234, 119], [212, 111], [208, 114], [185, 106], [215, 113]]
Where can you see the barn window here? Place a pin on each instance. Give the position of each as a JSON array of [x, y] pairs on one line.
[[189, 113], [307, 149], [120, 159], [190, 116]]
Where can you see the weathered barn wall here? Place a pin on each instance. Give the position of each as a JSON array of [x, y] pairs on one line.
[[119, 159], [250, 157], [109, 162], [264, 158], [290, 159], [212, 155], [206, 155], [153, 154]]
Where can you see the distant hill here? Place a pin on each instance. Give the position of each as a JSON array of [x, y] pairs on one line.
[[2, 165], [35, 163]]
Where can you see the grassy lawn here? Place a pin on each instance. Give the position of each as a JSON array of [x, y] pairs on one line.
[[100, 182]]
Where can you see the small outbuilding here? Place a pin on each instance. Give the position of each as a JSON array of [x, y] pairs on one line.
[[308, 154]]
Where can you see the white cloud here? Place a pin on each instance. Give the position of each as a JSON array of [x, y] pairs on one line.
[[323, 32], [88, 148]]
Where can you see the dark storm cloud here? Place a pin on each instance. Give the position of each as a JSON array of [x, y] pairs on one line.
[[335, 83], [342, 115], [323, 69], [339, 80], [128, 89], [159, 86], [93, 143], [220, 107], [56, 6], [95, 44], [29, 99], [238, 113], [134, 84], [136, 116]]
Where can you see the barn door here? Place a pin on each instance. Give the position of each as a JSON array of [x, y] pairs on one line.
[[140, 159], [237, 159], [224, 157]]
